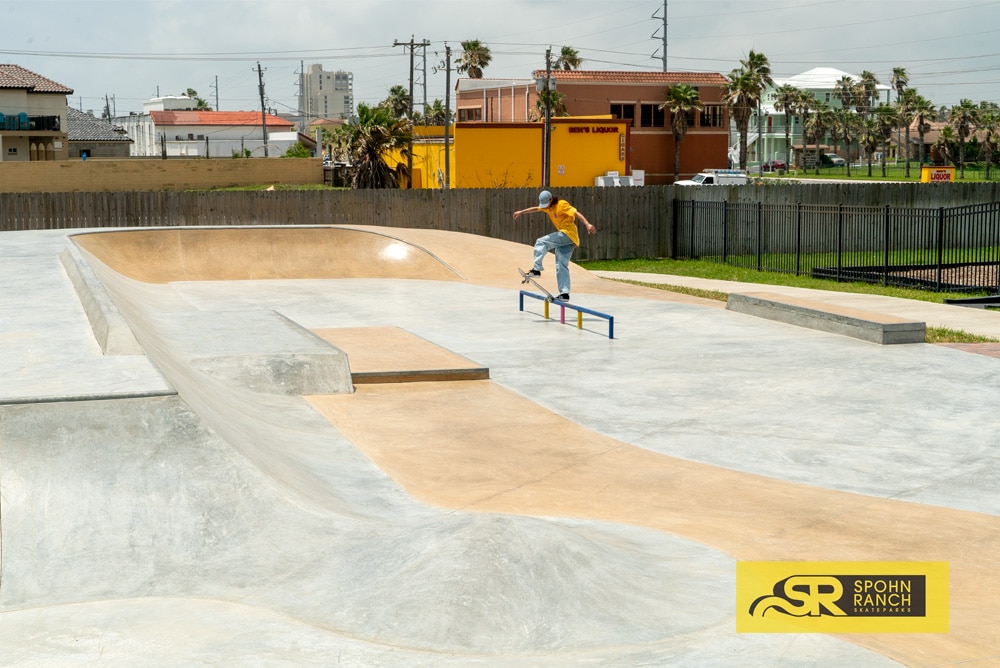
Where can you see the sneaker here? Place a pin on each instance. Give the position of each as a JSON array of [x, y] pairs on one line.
[[533, 272], [564, 297]]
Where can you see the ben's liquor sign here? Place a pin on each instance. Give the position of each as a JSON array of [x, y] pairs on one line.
[[841, 597], [937, 174]]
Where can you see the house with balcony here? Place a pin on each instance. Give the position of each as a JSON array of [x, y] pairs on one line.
[[32, 116], [634, 97], [172, 127], [766, 136]]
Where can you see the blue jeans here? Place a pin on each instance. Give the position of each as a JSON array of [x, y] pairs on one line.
[[563, 247]]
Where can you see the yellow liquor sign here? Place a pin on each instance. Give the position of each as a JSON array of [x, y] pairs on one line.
[[937, 174]]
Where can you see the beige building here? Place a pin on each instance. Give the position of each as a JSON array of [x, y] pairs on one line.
[[325, 95], [33, 124]]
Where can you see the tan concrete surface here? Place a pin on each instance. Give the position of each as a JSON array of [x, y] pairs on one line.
[[391, 354], [475, 446], [212, 254], [484, 448]]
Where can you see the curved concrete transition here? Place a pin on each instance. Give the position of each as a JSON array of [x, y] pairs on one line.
[[240, 492]]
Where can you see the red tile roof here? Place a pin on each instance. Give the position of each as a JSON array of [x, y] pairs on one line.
[[611, 76], [249, 118], [15, 76]]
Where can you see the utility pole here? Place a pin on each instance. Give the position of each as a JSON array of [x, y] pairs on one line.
[[409, 150], [663, 57], [216, 87], [303, 121], [263, 110], [447, 117], [547, 138]]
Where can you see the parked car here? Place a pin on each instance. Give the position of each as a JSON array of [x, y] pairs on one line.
[[833, 159], [774, 165]]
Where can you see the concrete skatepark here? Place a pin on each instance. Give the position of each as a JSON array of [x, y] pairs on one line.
[[310, 446]]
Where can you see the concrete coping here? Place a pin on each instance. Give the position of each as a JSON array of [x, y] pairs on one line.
[[833, 318]]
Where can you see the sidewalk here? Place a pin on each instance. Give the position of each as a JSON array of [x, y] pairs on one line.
[[971, 320]]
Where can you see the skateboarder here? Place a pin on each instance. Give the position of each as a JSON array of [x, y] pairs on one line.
[[562, 242]]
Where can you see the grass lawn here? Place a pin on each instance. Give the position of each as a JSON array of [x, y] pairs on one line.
[[722, 272]]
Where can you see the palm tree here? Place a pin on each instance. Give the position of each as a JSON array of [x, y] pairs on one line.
[[475, 58], [963, 118], [869, 139], [397, 102], [867, 92], [988, 122], [680, 100], [557, 107], [370, 138], [945, 141], [845, 125], [905, 111], [815, 126], [436, 113], [899, 81], [845, 90], [742, 93], [759, 68], [886, 121], [785, 101], [923, 111], [568, 59], [737, 93], [200, 104]]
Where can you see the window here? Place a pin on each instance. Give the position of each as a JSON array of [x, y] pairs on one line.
[[470, 114], [711, 116], [651, 116], [624, 112]]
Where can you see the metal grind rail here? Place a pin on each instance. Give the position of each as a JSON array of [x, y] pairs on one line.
[[580, 310]]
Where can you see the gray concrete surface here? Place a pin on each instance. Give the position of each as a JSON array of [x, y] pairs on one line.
[[185, 507]]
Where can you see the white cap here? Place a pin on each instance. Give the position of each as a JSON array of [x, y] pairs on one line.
[[544, 198]]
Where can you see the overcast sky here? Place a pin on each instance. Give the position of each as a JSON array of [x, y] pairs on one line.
[[131, 51]]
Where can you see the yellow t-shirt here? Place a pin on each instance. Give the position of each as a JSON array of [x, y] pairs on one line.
[[563, 216]]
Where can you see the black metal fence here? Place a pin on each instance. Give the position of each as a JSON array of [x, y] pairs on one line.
[[953, 249]]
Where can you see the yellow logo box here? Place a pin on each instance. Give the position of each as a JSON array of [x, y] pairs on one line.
[[842, 597]]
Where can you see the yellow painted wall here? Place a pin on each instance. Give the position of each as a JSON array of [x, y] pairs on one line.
[[509, 155], [501, 155], [583, 149], [498, 155]]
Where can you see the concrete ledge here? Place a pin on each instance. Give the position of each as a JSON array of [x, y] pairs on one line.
[[110, 329], [865, 325]]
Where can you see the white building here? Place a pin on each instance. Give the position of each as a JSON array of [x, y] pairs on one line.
[[171, 126], [821, 83], [325, 95]]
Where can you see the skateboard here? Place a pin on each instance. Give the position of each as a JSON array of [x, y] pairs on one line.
[[526, 278]]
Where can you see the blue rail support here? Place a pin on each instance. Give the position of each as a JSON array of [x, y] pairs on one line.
[[580, 310]]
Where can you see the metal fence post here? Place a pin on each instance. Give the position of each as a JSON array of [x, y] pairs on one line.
[[798, 238], [760, 235], [940, 245], [885, 255], [840, 239]]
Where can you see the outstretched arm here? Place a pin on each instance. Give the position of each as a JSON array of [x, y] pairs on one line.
[[586, 223], [530, 209]]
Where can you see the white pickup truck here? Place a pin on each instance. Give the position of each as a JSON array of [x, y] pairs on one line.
[[715, 177]]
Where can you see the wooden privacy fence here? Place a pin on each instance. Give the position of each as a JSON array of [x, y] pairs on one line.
[[632, 222]]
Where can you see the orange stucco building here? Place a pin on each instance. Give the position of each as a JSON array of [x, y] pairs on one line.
[[631, 97]]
